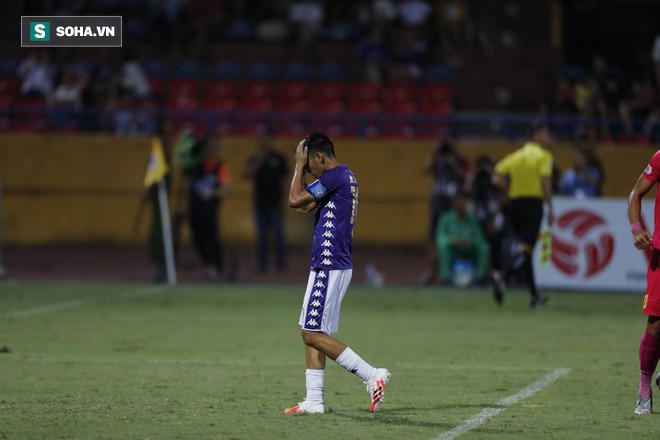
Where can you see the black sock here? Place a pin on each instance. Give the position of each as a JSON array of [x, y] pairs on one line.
[[528, 270]]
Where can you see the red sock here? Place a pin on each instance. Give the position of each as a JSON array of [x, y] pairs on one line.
[[649, 352]]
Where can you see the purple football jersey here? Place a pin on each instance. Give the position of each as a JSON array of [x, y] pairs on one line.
[[336, 194]]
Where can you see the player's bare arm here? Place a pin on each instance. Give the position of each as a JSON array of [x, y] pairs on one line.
[[299, 198], [641, 237], [501, 182]]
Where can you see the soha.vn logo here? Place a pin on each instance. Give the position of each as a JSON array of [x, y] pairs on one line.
[[582, 244]]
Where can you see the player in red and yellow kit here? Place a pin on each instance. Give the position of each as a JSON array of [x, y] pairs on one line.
[[649, 348]]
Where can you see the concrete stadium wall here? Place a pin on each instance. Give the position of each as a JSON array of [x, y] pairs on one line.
[[87, 188]]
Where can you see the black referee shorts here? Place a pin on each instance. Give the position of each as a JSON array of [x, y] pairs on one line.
[[526, 214]]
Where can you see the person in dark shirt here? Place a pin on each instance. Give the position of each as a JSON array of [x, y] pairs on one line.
[[209, 181], [268, 169], [448, 169]]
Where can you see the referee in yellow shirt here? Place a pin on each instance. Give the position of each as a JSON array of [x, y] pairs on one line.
[[526, 176]]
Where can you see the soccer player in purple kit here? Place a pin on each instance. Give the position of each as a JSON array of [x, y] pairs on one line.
[[334, 195]]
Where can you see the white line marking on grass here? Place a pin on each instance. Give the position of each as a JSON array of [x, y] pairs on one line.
[[436, 367], [490, 412], [67, 305]]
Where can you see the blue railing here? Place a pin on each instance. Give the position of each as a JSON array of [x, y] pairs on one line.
[[129, 121]]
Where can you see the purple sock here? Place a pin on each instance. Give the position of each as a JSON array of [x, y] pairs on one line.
[[649, 352]]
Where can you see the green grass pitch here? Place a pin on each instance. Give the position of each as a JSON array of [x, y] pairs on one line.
[[92, 361]]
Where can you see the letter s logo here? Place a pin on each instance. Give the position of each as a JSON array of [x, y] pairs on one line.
[[40, 31]]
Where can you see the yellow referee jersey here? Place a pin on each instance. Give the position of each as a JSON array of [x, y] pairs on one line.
[[525, 168]]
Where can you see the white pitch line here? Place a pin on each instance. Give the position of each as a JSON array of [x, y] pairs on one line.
[[490, 412], [67, 305]]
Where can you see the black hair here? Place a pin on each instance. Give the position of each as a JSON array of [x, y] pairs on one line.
[[483, 160], [319, 142], [445, 148], [536, 127]]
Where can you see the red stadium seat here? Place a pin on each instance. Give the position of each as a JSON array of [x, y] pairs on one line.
[[221, 89], [436, 108], [400, 111], [178, 86], [30, 115], [257, 90], [400, 93], [157, 88], [364, 108], [183, 94], [254, 106], [293, 90], [221, 95], [364, 92], [431, 94], [434, 118], [8, 85], [328, 91], [291, 108]]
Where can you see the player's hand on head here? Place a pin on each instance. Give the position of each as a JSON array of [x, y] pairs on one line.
[[301, 153]]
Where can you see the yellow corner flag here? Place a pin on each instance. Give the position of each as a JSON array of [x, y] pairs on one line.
[[157, 168], [545, 239]]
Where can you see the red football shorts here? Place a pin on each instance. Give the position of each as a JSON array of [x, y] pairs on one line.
[[651, 304]]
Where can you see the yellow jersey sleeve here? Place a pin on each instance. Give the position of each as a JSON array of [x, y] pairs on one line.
[[503, 167], [545, 165]]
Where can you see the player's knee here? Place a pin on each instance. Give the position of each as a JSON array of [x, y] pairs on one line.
[[309, 338], [653, 326]]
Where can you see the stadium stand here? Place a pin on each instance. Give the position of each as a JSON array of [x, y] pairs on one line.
[[465, 56]]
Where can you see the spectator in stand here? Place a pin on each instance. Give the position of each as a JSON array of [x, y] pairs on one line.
[[562, 106], [655, 59], [124, 114], [306, 16], [168, 22], [373, 53], [454, 21], [133, 77], [637, 107], [448, 169], [414, 13], [268, 169], [37, 75], [589, 144], [65, 103], [459, 237], [377, 12], [591, 104], [579, 181], [409, 52], [609, 90]]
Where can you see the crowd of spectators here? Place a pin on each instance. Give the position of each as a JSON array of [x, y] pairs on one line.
[[618, 104], [76, 96], [391, 41]]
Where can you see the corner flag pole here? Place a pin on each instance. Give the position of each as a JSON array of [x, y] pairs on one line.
[[167, 233], [157, 169]]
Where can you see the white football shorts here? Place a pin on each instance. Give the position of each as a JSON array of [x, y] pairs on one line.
[[323, 297]]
